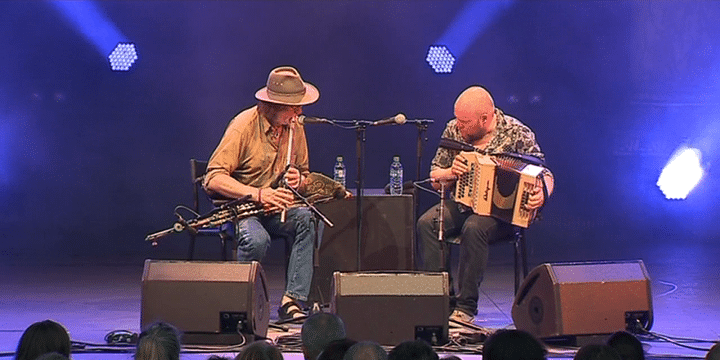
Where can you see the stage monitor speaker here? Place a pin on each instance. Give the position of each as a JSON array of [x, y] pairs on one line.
[[387, 233], [583, 299], [390, 308], [209, 302]]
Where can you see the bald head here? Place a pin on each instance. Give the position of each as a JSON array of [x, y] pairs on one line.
[[475, 99], [475, 114], [366, 350]]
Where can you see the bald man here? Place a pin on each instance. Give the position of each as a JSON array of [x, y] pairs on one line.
[[479, 123]]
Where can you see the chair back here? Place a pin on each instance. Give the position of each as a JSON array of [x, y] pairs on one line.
[[198, 168]]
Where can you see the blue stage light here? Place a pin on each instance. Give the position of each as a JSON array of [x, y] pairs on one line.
[[123, 57], [681, 174], [440, 59], [469, 23], [90, 20]]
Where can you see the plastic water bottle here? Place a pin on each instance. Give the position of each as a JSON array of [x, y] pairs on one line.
[[396, 176], [339, 171]]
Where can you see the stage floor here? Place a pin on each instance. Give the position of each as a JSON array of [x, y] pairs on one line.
[[92, 300]]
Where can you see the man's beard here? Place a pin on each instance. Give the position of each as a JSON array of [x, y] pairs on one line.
[[470, 138]]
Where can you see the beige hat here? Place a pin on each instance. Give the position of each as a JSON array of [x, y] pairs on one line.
[[286, 87]]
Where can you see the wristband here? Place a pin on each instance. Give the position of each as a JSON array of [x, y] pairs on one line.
[[260, 195]]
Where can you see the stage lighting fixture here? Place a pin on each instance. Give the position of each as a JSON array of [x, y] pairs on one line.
[[123, 57], [89, 19], [470, 22], [440, 59], [681, 174]]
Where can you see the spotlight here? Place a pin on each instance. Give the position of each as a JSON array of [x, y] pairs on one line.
[[90, 21], [123, 57], [440, 59], [681, 174]]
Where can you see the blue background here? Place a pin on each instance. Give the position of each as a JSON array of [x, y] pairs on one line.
[[92, 160]]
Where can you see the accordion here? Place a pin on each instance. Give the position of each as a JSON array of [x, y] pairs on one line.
[[498, 186]]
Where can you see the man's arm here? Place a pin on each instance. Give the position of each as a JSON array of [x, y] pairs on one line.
[[441, 167], [524, 140], [269, 198]]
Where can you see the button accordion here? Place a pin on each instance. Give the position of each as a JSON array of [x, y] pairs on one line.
[[498, 186]]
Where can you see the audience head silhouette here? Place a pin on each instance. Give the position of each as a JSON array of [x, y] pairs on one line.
[[627, 345], [513, 345], [160, 341], [714, 353], [260, 350], [597, 352], [318, 331], [450, 357], [413, 350], [366, 350], [336, 350], [41, 338], [52, 356]]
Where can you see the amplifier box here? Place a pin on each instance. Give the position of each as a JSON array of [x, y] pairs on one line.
[[209, 302], [390, 308], [589, 298]]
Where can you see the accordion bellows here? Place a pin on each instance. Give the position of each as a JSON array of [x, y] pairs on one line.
[[498, 186]]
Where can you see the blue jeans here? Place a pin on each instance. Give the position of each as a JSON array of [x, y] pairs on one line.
[[255, 233]]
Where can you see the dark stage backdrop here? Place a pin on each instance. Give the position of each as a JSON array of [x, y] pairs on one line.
[[93, 160]]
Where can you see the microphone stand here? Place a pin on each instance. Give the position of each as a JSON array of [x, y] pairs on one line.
[[360, 138], [309, 205], [360, 127], [441, 230], [422, 126]]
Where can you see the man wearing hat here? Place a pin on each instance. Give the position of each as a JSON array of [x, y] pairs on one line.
[[252, 153]]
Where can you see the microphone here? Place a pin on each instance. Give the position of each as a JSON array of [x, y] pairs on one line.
[[302, 119], [451, 144], [397, 119]]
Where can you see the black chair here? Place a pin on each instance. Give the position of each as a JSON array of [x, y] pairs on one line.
[[224, 233], [520, 254]]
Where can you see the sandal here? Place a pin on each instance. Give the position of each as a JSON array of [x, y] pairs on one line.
[[291, 310]]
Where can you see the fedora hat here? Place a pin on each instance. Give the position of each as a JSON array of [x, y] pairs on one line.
[[286, 87]]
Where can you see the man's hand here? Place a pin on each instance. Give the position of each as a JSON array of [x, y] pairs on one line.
[[276, 199], [442, 176], [459, 166], [536, 198], [293, 177], [448, 176]]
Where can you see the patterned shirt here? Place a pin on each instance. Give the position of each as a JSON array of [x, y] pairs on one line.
[[510, 136]]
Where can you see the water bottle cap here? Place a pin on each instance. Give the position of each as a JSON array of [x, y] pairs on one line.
[[396, 158], [339, 158]]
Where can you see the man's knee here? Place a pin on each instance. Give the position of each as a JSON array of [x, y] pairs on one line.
[[480, 227], [253, 242], [303, 215]]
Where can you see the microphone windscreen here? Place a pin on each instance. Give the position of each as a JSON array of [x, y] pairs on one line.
[[400, 119]]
